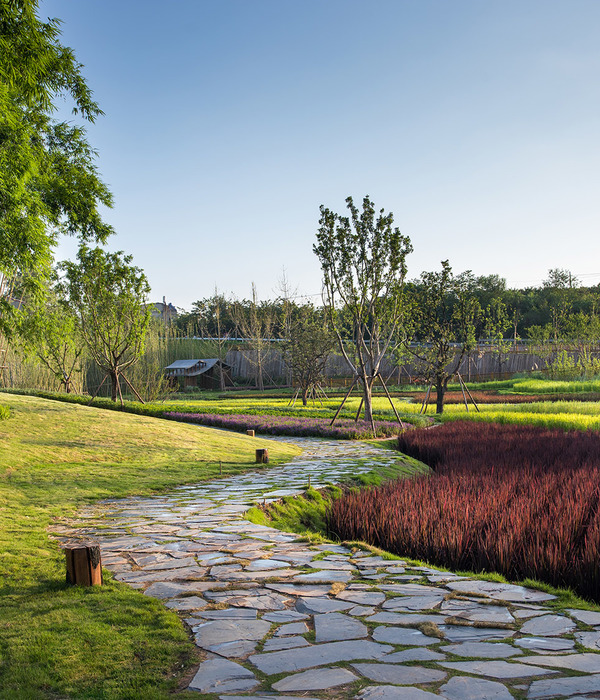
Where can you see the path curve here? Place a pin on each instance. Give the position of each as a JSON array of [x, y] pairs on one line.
[[324, 620]]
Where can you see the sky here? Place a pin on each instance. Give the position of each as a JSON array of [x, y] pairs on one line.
[[228, 123]]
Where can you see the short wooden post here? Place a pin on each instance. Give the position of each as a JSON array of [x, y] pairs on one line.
[[84, 565], [262, 456], [250, 433]]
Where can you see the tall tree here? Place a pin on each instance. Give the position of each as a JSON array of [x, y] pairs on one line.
[[49, 330], [109, 296], [256, 322], [306, 349], [443, 323], [49, 183], [363, 258]]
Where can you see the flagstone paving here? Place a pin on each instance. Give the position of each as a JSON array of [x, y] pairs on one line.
[[276, 617]]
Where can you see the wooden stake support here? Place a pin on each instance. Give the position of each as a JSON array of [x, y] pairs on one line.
[[262, 456], [84, 565]]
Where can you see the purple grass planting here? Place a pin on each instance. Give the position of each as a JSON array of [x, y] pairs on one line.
[[288, 425]]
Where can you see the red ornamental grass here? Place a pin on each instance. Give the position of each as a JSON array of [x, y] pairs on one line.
[[518, 500]]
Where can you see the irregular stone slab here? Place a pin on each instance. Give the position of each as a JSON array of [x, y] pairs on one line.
[[405, 619], [361, 611], [273, 601], [482, 650], [466, 633], [586, 662], [284, 616], [588, 617], [228, 613], [234, 650], [220, 675], [524, 614], [591, 640], [300, 590], [279, 643], [142, 576], [320, 605], [412, 589], [291, 629], [415, 654], [362, 597], [192, 602], [560, 687], [393, 692], [319, 655], [267, 565], [324, 577], [403, 635], [217, 632], [500, 591], [316, 679], [399, 675], [466, 688], [476, 612], [414, 603], [333, 627], [259, 575], [164, 590], [170, 564], [544, 644], [548, 626], [332, 565], [495, 669]]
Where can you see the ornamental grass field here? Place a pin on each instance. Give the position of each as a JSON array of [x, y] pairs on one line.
[[517, 500]]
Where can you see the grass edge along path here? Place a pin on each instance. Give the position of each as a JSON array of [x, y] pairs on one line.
[[110, 641]]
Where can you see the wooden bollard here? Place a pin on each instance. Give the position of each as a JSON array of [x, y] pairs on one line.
[[250, 433], [84, 565], [262, 456]]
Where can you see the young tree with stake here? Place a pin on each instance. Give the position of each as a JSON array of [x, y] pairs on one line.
[[363, 257]]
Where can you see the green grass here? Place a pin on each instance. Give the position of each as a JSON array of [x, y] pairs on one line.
[[256, 405], [306, 514], [108, 642]]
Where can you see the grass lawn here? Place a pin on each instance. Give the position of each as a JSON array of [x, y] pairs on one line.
[[109, 642]]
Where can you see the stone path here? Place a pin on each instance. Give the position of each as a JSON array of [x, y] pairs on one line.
[[276, 617]]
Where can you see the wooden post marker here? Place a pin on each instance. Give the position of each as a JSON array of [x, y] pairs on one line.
[[262, 456], [250, 433], [84, 565]]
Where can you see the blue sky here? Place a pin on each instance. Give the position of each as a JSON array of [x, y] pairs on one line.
[[227, 124]]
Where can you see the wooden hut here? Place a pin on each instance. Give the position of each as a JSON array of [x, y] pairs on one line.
[[201, 374]]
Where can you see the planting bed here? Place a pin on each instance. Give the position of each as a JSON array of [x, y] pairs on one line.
[[288, 425], [518, 500]]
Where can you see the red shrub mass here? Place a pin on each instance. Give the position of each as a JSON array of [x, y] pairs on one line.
[[518, 500]]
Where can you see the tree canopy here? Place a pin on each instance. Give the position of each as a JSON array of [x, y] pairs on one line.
[[49, 183], [108, 295]]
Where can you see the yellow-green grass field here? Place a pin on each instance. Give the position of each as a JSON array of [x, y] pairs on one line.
[[58, 641], [566, 415]]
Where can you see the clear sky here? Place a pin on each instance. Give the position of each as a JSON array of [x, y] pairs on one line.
[[229, 122]]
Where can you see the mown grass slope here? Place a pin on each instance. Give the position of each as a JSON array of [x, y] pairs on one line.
[[108, 642]]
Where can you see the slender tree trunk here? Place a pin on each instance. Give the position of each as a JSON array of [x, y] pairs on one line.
[[304, 395], [114, 383], [440, 388], [367, 383]]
